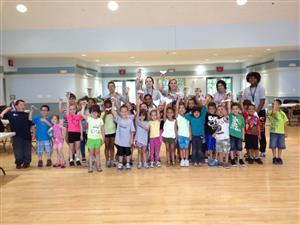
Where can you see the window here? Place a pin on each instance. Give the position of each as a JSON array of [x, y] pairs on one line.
[[212, 81]]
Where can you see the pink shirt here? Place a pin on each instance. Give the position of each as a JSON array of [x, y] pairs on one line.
[[74, 122], [57, 134]]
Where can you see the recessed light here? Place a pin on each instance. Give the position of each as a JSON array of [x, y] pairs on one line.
[[237, 60], [97, 60], [206, 59], [112, 5], [131, 57], [174, 53], [268, 49], [83, 55], [249, 56], [241, 2], [21, 8], [216, 54]]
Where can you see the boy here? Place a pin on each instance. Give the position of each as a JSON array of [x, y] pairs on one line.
[[42, 124], [277, 132], [236, 132], [252, 135], [20, 123], [210, 128]]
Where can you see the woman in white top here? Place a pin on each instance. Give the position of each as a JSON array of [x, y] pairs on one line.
[[172, 90], [221, 95]]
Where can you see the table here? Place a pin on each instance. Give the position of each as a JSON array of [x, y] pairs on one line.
[[3, 136]]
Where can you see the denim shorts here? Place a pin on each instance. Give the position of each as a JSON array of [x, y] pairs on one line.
[[236, 144], [277, 141], [210, 142], [43, 146], [183, 142]]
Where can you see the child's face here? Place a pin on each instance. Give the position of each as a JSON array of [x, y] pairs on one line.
[[44, 111], [154, 115], [251, 110], [124, 112], [181, 110], [196, 114], [245, 108], [148, 100], [170, 114], [90, 103], [275, 105], [54, 120], [221, 111], [211, 110], [107, 105], [20, 107], [95, 115], [144, 106], [191, 104], [161, 106], [235, 110], [72, 109], [72, 101], [129, 106]]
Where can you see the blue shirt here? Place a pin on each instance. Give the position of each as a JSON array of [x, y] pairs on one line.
[[197, 124], [41, 128]]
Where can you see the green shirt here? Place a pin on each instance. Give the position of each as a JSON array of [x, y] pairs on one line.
[[94, 128], [236, 125], [278, 120], [109, 124]]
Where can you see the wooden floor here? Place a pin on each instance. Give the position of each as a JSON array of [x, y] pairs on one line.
[[256, 194]]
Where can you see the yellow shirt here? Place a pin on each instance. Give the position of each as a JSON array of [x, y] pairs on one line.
[[154, 128]]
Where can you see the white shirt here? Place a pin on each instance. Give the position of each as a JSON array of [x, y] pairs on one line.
[[169, 129], [222, 132]]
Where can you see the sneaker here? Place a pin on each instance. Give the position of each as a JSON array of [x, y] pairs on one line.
[[182, 163], [262, 155], [187, 163], [213, 162], [108, 164], [146, 166], [18, 166], [279, 161], [78, 163], [120, 166], [232, 162], [139, 165], [226, 165], [206, 160], [250, 160], [71, 163], [275, 162], [241, 162], [128, 166], [40, 163], [49, 163], [151, 164], [84, 160], [258, 161], [158, 164], [26, 165]]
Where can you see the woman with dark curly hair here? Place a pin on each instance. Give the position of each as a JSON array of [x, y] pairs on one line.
[[221, 95]]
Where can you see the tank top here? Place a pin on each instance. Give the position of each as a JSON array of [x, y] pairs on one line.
[[169, 129]]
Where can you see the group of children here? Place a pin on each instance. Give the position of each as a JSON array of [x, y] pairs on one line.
[[214, 134]]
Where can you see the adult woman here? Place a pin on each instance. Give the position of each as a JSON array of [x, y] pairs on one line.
[[221, 95], [149, 89], [256, 94], [111, 86], [172, 90]]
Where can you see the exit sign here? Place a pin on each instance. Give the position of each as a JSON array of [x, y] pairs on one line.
[[122, 71], [220, 69]]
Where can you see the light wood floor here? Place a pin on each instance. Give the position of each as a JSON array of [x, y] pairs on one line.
[[256, 194]]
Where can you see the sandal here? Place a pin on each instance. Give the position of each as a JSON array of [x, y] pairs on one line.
[[99, 170]]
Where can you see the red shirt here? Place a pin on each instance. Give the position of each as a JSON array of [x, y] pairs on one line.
[[252, 124]]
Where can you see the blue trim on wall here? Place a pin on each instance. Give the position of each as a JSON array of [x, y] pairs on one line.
[[42, 70], [285, 63]]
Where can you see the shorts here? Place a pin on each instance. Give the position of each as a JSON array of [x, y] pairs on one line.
[[43, 146], [210, 142], [223, 145], [236, 144], [251, 141], [110, 135], [140, 145], [58, 145], [123, 151], [73, 137], [183, 142], [277, 141], [94, 143], [169, 140]]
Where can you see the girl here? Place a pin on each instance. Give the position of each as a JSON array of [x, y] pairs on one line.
[[124, 134], [141, 137], [169, 134], [110, 133], [95, 135], [155, 142], [58, 132], [74, 133]]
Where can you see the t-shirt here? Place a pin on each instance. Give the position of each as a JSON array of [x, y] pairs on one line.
[[19, 123], [74, 122], [197, 124], [236, 125], [57, 134], [156, 95], [255, 94], [94, 128], [41, 128], [222, 132], [154, 128], [211, 123], [125, 127], [109, 124], [141, 135], [183, 126], [252, 124], [278, 120]]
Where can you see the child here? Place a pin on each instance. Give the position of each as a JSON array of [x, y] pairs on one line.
[[210, 128], [74, 133], [236, 132], [80, 104], [278, 131], [141, 137], [58, 141], [42, 123], [197, 119], [154, 135], [184, 133], [169, 134], [95, 135], [222, 137], [20, 124], [110, 133], [252, 135], [124, 134]]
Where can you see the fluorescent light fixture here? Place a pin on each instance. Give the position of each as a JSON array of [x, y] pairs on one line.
[[268, 49], [97, 60], [83, 55], [112, 5], [174, 53], [200, 69], [21, 8], [89, 75], [241, 2], [131, 57]]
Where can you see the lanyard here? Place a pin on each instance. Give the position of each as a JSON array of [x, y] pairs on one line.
[[253, 94]]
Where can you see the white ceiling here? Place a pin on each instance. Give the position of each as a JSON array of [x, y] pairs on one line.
[[70, 14]]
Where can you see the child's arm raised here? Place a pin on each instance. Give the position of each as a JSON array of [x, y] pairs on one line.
[[5, 111], [83, 114], [68, 103], [113, 108], [31, 113], [177, 106]]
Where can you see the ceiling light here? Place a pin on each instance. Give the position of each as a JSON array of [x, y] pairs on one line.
[[237, 60], [112, 6], [174, 53], [21, 8], [97, 60], [131, 57], [83, 55], [200, 69], [268, 49], [241, 2], [215, 54]]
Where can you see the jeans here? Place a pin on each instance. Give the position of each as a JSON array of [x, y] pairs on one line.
[[263, 141], [82, 144], [22, 150], [197, 155]]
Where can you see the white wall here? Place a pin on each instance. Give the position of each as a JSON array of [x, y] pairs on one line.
[[2, 102]]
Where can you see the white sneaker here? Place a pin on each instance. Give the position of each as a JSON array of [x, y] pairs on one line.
[[146, 166], [120, 166], [158, 164], [139, 166], [187, 163], [128, 166], [182, 163], [151, 164]]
